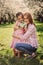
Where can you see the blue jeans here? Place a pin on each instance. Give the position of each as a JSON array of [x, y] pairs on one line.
[[25, 48]]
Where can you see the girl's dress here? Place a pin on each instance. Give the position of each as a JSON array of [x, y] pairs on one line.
[[18, 32]]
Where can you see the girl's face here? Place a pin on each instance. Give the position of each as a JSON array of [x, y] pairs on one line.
[[26, 19], [20, 19]]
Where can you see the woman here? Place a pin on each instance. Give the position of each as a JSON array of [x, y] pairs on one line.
[[30, 46]]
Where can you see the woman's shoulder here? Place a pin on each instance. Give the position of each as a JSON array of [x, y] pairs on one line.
[[32, 26]]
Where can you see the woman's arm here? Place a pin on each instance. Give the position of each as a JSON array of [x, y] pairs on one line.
[[27, 34]]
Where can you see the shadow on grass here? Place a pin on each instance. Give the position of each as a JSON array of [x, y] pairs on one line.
[[9, 60]]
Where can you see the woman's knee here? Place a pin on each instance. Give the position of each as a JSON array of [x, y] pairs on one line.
[[17, 45]]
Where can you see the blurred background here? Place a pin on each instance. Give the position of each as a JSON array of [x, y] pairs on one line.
[[8, 10]]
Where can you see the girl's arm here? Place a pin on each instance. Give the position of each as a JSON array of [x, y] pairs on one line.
[[16, 26], [14, 36]]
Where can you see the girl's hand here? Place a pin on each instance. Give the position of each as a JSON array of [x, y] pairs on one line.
[[15, 28]]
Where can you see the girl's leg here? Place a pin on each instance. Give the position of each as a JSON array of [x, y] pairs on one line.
[[15, 52], [19, 54]]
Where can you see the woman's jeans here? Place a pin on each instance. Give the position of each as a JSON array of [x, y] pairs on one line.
[[25, 48]]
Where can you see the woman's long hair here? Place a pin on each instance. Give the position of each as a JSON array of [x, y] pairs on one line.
[[29, 17]]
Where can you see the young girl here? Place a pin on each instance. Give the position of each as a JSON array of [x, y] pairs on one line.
[[18, 31]]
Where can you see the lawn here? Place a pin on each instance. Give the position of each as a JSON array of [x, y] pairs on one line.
[[6, 54]]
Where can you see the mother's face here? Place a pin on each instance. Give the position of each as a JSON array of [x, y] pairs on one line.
[[26, 19]]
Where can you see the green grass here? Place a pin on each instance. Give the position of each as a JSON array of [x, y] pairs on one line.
[[6, 54]]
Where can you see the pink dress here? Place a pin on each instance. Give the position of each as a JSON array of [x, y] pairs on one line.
[[18, 32]]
